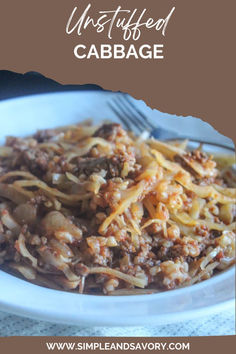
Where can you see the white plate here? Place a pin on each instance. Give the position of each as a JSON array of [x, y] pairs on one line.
[[23, 116]]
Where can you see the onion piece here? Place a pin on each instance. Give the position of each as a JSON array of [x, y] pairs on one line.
[[27, 271], [58, 178], [67, 198], [9, 192], [226, 262], [200, 275], [59, 262], [152, 221], [65, 283], [209, 257], [9, 222], [25, 213], [24, 174], [131, 196], [61, 247], [72, 178], [21, 247], [136, 281], [86, 145], [56, 221]]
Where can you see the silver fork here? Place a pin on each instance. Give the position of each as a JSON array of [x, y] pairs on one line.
[[135, 120]]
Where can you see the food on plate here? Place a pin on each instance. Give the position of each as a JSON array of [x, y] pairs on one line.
[[97, 210]]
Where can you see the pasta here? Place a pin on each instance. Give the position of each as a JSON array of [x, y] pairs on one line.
[[94, 209]]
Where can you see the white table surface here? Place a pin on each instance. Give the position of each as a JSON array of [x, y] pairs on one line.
[[218, 324]]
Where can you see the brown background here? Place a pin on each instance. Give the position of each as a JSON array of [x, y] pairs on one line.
[[195, 78]]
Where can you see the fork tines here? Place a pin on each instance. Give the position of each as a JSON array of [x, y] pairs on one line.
[[129, 114]]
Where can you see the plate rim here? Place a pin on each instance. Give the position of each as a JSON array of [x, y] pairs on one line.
[[162, 319]]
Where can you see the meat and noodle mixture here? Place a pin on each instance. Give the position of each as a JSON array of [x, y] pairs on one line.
[[97, 210]]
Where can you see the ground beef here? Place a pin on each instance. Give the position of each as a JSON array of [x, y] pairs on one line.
[[204, 181], [198, 156], [109, 131], [38, 200], [185, 164], [36, 160], [13, 142], [215, 233], [202, 230], [186, 160], [89, 165], [19, 144], [45, 135], [174, 252]]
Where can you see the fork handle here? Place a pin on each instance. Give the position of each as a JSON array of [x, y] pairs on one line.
[[163, 134]]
